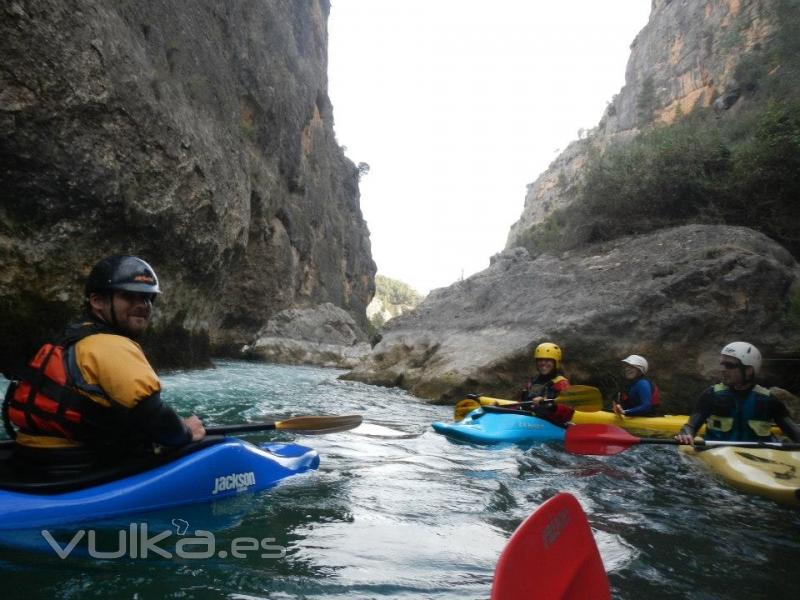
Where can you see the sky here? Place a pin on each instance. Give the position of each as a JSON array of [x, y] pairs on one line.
[[458, 105]]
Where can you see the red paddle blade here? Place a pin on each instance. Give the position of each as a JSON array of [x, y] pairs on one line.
[[603, 440], [551, 555]]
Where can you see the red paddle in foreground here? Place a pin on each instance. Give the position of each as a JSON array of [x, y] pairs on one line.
[[552, 555], [606, 440]]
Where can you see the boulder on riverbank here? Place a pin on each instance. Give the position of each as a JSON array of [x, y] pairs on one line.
[[675, 296], [323, 335]]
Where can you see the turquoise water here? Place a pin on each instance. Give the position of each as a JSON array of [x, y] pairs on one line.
[[397, 511]]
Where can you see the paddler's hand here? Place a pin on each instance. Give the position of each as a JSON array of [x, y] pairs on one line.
[[685, 439], [537, 401], [618, 410], [195, 426]]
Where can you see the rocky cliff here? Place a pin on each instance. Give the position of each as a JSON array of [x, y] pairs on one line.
[[682, 287], [675, 296], [198, 136], [688, 55]]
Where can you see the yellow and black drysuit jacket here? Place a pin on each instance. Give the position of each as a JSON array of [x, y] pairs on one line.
[[93, 393]]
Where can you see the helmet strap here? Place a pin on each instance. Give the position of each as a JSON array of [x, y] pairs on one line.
[[745, 379], [114, 324], [114, 320], [747, 382]]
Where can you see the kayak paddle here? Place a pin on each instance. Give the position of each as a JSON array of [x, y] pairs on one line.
[[552, 555], [309, 425], [584, 398], [606, 440]]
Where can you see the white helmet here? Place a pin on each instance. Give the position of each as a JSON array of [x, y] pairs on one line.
[[745, 352], [640, 362]]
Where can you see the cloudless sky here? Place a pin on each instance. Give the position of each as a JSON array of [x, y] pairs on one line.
[[457, 105]]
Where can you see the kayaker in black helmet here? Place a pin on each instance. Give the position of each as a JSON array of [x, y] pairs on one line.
[[92, 397], [737, 409]]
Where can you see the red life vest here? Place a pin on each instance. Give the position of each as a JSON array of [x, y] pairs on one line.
[[655, 396], [43, 402], [549, 388]]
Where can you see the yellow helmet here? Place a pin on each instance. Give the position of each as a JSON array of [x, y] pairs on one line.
[[548, 350]]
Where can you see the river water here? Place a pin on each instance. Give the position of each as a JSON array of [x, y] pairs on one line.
[[397, 511]]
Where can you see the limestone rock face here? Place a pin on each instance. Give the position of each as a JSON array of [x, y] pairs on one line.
[[323, 335], [675, 296], [685, 56], [198, 136]]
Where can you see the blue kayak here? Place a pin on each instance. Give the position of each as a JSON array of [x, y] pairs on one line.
[[490, 426], [208, 470]]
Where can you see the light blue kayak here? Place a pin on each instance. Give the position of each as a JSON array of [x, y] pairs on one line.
[[202, 472], [489, 426]]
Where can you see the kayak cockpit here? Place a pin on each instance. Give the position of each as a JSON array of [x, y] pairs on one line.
[[16, 478]]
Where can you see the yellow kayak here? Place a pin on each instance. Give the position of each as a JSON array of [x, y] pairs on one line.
[[773, 474], [667, 425]]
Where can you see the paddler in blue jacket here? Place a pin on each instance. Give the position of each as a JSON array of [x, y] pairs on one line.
[[641, 396], [92, 397], [737, 409]]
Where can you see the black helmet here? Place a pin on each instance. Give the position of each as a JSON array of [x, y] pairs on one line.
[[127, 273]]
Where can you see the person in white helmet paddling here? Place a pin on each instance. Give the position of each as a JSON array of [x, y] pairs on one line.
[[737, 409], [641, 395]]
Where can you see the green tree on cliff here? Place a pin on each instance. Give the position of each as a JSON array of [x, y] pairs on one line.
[[392, 298], [712, 165]]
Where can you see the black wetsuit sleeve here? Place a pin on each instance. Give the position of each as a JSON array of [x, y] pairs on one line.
[[545, 409], [159, 423], [701, 412], [780, 414]]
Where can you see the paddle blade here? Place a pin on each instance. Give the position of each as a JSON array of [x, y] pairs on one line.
[[310, 425], [603, 440], [319, 425], [552, 554], [584, 398], [464, 407]]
